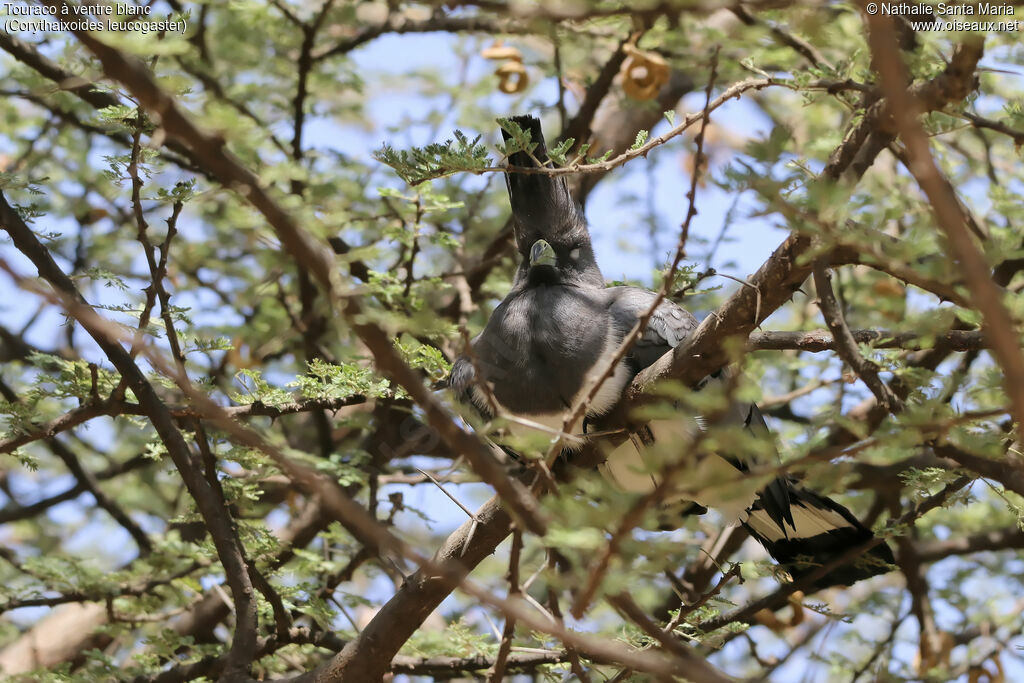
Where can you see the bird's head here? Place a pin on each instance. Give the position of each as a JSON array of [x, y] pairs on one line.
[[550, 229]]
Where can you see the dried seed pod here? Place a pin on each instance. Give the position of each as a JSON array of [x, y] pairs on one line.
[[511, 74], [643, 73], [767, 617], [513, 77], [501, 53], [981, 672]]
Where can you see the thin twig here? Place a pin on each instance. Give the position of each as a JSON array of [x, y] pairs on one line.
[[846, 345], [497, 670], [732, 92]]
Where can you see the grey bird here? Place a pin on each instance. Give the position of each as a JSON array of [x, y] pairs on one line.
[[560, 325]]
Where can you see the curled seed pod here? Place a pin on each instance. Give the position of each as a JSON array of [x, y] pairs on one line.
[[981, 672], [797, 606], [513, 77], [767, 617], [643, 73], [511, 74]]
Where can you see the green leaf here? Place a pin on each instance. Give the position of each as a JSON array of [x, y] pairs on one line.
[[641, 138]]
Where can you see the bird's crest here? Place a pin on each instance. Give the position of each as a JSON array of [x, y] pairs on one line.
[[542, 205]]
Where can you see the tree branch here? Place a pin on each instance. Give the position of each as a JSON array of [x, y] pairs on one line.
[[397, 23], [999, 539], [228, 546], [12, 513], [1009, 472], [787, 268], [114, 408], [846, 345], [906, 106], [815, 341], [448, 666], [81, 87]]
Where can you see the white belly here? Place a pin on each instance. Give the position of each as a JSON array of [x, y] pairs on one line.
[[711, 481]]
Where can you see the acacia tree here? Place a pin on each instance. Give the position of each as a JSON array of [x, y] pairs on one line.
[[225, 455]]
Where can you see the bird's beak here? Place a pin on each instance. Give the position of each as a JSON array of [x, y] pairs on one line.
[[542, 254]]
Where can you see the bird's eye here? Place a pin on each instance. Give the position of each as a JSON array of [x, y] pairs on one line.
[[574, 253]]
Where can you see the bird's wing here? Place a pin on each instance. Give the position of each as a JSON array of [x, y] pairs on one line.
[[668, 326]]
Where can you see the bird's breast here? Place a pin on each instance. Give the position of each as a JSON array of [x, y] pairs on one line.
[[543, 349]]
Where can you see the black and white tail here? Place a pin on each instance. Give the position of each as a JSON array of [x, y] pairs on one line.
[[822, 530], [803, 530]]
